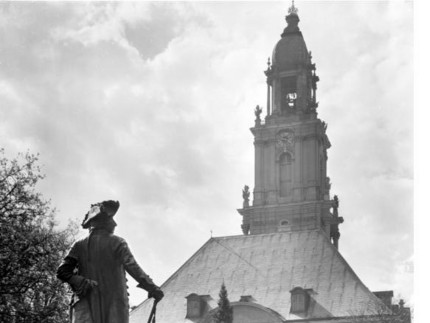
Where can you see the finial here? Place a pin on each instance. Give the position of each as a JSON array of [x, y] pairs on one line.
[[292, 9], [268, 62]]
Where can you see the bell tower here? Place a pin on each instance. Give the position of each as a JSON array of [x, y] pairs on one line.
[[292, 190]]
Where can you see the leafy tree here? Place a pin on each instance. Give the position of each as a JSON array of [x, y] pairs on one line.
[[381, 313], [225, 311], [31, 246]]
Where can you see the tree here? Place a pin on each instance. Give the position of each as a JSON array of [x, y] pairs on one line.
[[31, 246], [225, 311], [381, 313]]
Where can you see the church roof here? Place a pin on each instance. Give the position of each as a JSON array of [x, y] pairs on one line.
[[266, 267]]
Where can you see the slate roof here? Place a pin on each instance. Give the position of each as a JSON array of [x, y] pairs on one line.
[[267, 267]]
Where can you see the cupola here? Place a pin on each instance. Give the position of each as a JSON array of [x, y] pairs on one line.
[[290, 52], [291, 78]]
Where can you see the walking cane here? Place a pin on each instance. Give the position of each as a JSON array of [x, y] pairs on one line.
[[152, 315]]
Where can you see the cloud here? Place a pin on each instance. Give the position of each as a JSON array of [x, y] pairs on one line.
[[150, 103]]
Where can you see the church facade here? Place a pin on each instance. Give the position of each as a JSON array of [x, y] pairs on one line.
[[286, 266]]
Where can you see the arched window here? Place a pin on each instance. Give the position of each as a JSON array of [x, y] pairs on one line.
[[289, 93], [285, 175]]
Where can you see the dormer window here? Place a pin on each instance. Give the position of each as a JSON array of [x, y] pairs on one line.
[[247, 299], [385, 296], [196, 305], [299, 301]]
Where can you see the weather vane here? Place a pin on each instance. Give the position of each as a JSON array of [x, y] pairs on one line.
[[292, 9]]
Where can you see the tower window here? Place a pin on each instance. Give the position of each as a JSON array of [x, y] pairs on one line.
[[289, 93]]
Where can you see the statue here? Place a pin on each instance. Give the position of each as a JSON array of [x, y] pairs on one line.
[[269, 70], [334, 227], [315, 80], [95, 269], [245, 195], [324, 125], [257, 113], [335, 205]]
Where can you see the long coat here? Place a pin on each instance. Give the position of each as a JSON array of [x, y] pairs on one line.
[[103, 258]]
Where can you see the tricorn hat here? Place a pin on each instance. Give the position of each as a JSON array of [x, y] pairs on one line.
[[105, 209]]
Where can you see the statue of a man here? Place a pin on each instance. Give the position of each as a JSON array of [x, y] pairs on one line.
[[95, 269]]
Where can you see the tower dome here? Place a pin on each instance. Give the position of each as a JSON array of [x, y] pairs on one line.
[[290, 52]]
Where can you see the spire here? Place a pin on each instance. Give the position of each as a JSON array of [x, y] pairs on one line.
[[292, 9], [292, 21]]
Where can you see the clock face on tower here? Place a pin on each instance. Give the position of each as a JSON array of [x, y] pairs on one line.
[[285, 140]]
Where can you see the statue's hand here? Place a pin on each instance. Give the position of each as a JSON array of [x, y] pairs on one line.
[[88, 284], [81, 286], [157, 294]]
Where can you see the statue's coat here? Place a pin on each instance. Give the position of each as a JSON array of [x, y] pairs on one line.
[[104, 258]]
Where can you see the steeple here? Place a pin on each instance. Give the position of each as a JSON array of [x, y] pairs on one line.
[[292, 75], [292, 190], [292, 21]]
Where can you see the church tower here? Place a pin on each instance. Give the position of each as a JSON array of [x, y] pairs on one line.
[[292, 190], [286, 267]]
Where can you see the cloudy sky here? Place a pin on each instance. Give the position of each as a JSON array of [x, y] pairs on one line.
[[150, 103]]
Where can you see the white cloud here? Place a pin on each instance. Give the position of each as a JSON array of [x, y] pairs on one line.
[[150, 104]]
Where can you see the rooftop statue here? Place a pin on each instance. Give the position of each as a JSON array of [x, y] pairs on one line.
[[245, 195], [257, 113]]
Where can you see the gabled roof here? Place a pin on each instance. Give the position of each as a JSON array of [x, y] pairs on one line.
[[267, 267]]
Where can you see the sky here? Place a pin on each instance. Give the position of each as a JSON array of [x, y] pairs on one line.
[[150, 103]]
